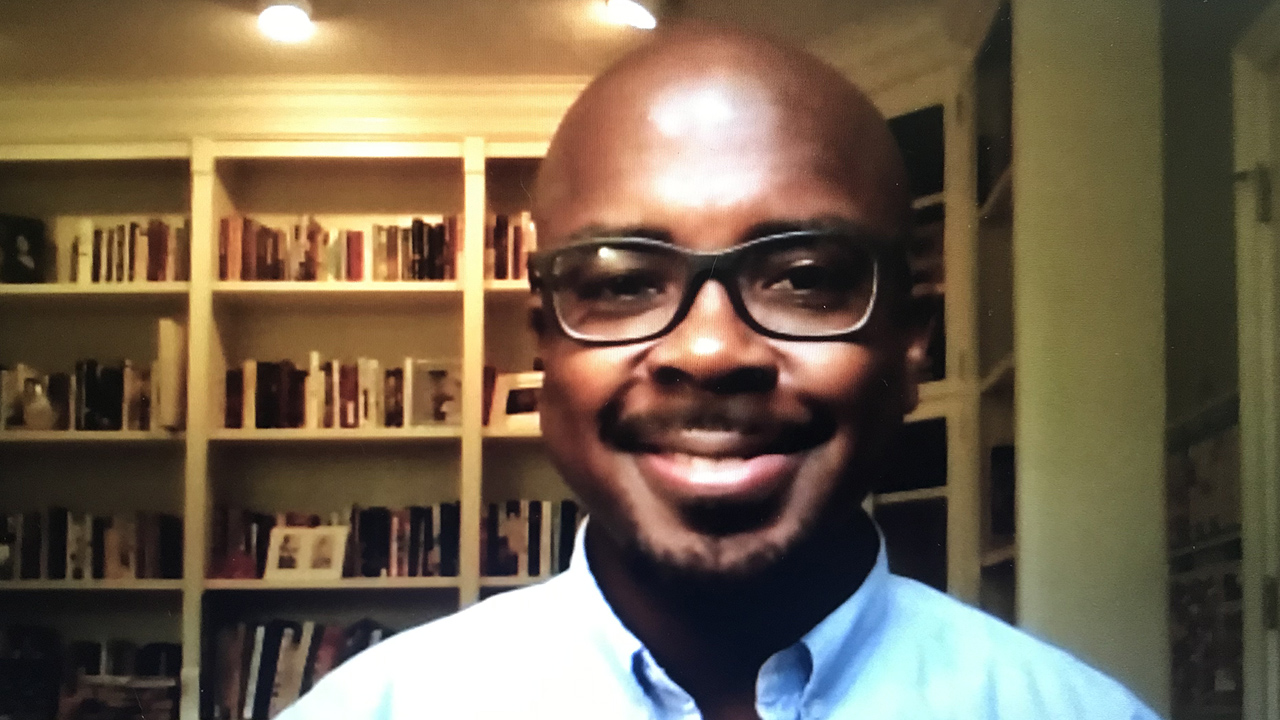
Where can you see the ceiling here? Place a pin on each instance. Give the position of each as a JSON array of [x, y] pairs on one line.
[[60, 41]]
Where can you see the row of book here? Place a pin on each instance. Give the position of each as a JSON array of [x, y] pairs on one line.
[[142, 249], [61, 544], [508, 241], [259, 669], [89, 679], [421, 249], [417, 541], [527, 538], [336, 394], [101, 395]]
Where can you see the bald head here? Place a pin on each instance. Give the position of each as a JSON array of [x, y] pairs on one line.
[[703, 118]]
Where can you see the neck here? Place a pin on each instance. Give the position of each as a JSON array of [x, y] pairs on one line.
[[711, 638]]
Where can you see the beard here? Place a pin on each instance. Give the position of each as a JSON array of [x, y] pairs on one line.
[[726, 543]]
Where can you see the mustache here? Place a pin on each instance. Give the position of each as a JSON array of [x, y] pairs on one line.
[[767, 430]]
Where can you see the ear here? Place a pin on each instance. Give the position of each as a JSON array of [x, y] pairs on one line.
[[918, 332]]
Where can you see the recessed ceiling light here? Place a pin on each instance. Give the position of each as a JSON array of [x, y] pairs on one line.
[[636, 13], [287, 21]]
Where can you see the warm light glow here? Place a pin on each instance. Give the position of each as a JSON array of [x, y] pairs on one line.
[[286, 21], [629, 12]]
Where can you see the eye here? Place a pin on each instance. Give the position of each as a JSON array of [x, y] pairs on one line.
[[802, 276], [628, 286]]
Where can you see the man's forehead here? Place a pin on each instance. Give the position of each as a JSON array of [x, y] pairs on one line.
[[712, 121]]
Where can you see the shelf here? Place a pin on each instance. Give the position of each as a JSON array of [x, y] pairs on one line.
[[904, 496], [91, 585], [393, 434], [308, 295], [94, 295], [507, 288], [503, 434], [1206, 544], [998, 374], [926, 200], [351, 583], [999, 204], [509, 581], [1001, 554], [88, 436]]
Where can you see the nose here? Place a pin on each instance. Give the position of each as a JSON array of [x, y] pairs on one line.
[[712, 349]]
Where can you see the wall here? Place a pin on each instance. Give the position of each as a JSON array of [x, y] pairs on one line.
[[1088, 317]]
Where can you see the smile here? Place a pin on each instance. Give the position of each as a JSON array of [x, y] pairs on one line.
[[681, 475]]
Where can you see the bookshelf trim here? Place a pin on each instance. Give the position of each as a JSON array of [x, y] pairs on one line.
[[89, 436], [351, 583], [369, 149], [97, 151], [145, 585], [93, 290], [375, 434]]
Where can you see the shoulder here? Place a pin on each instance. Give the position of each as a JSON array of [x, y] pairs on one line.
[[1009, 672], [447, 661]]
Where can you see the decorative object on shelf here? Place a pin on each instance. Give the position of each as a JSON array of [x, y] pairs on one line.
[[302, 553], [37, 411], [22, 250], [515, 402]]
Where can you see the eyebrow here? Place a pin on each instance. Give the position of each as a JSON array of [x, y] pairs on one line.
[[827, 223]]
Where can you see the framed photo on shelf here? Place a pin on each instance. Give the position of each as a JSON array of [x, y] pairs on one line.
[[306, 553], [515, 402]]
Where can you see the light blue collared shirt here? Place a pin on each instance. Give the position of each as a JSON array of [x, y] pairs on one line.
[[895, 650]]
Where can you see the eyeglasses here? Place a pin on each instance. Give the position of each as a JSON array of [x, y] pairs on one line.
[[803, 285]]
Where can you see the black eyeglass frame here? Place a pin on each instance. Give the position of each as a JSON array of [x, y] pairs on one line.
[[721, 266]]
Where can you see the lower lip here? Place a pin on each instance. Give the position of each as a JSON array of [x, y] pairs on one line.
[[733, 478]]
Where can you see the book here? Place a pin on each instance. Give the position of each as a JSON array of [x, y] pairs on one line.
[[168, 374]]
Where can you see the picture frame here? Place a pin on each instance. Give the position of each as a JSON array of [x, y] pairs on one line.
[[306, 553], [514, 406]]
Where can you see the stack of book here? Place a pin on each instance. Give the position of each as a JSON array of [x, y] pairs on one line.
[[141, 250], [113, 679], [420, 249], [260, 669], [60, 544], [101, 395], [527, 538], [418, 541], [508, 240], [337, 394]]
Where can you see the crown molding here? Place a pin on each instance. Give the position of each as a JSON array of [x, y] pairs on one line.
[[287, 108]]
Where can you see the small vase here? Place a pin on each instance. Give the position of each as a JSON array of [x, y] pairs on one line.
[[37, 411]]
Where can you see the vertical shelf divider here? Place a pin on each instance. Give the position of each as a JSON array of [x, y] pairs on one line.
[[472, 276], [964, 506], [196, 488]]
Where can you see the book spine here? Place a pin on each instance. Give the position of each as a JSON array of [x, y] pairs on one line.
[[355, 255], [84, 251], [348, 396], [109, 256], [171, 366], [314, 390], [392, 245], [171, 253], [58, 527], [249, 401], [131, 261], [533, 567]]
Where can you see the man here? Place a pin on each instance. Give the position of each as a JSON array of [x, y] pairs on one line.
[[730, 344]]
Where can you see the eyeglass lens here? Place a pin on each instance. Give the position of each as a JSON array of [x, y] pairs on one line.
[[804, 286]]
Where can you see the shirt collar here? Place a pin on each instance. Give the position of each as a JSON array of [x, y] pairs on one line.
[[821, 665]]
